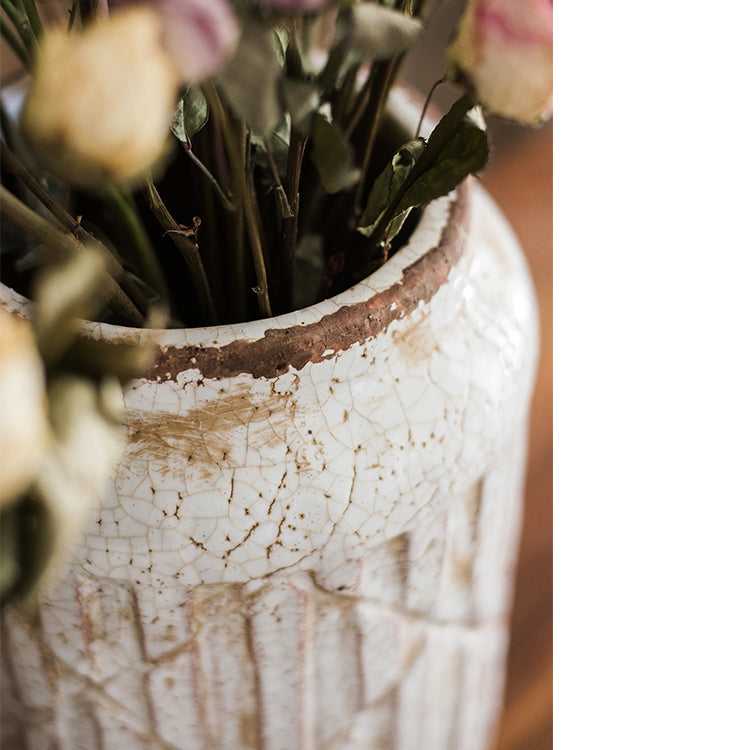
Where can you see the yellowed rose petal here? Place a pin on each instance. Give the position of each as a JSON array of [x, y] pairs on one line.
[[504, 47], [24, 434], [101, 100]]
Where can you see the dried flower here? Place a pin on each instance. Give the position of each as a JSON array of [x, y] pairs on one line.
[[200, 35], [504, 47], [23, 419], [101, 100]]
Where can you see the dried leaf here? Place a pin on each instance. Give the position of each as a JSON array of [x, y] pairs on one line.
[[190, 115], [333, 156], [388, 183], [375, 32], [250, 81]]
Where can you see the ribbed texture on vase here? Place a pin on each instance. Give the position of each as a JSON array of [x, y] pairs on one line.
[[410, 658]]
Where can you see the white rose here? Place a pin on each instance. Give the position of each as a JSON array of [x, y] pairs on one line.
[[101, 100], [24, 434]]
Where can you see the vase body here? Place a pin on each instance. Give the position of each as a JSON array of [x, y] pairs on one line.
[[311, 537]]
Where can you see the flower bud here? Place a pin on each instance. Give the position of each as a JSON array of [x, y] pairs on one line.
[[101, 100], [504, 48]]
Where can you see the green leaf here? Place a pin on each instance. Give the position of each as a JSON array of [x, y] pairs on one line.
[[250, 81], [190, 115], [388, 183], [465, 153], [377, 33], [333, 156]]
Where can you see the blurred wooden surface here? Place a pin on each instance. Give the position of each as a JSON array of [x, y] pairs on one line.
[[520, 180]]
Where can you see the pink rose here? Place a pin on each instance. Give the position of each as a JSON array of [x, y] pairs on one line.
[[504, 47], [200, 35]]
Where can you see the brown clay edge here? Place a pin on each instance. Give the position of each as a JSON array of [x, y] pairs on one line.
[[281, 349]]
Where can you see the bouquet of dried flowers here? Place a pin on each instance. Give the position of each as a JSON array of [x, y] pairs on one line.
[[225, 158], [200, 162]]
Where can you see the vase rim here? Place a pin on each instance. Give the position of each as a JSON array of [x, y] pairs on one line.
[[270, 347]]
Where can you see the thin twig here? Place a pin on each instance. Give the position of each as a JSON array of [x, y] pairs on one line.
[[427, 104], [189, 251], [62, 245], [212, 180]]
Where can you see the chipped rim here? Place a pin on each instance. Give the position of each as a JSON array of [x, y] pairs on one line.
[[270, 347]]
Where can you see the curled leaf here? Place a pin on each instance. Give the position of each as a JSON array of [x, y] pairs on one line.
[[190, 115]]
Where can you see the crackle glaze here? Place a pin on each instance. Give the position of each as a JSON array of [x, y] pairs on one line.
[[310, 540]]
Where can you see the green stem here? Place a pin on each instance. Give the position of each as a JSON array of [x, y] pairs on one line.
[[23, 27], [189, 251], [248, 207], [64, 246], [290, 224], [34, 20], [385, 82], [212, 180], [252, 220], [145, 257], [236, 276], [427, 104], [69, 224], [15, 44], [72, 18]]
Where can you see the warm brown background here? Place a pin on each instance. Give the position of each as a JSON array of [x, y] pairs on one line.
[[520, 180]]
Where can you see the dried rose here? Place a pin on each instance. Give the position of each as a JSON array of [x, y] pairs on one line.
[[101, 100], [200, 35], [23, 415], [504, 47]]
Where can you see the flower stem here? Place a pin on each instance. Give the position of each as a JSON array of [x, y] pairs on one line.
[[188, 249], [69, 224], [148, 264], [23, 27], [34, 20], [427, 104], [248, 209], [212, 180], [15, 44], [383, 86], [253, 225], [290, 224], [62, 245]]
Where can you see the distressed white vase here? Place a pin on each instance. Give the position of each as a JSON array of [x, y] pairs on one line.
[[310, 540]]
